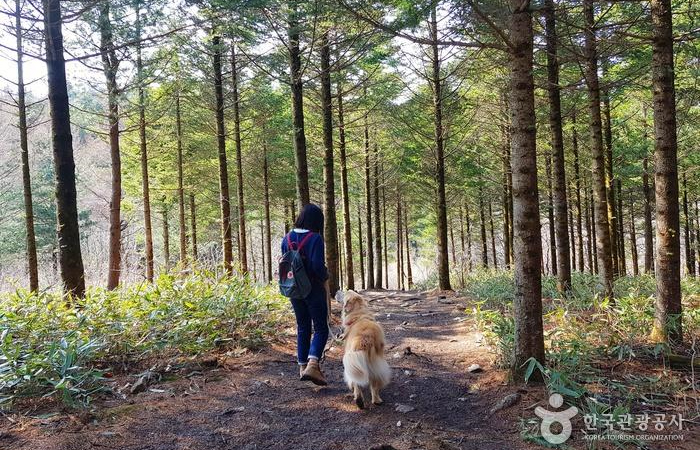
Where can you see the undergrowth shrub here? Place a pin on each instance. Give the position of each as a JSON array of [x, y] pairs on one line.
[[50, 346], [586, 335]]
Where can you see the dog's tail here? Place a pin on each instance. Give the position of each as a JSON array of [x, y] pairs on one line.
[[365, 364], [356, 365]]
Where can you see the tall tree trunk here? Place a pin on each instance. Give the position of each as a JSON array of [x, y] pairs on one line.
[[347, 230], [593, 226], [242, 246], [482, 229], [558, 167], [295, 72], [32, 262], [550, 216], [70, 256], [697, 234], [377, 222], [505, 203], [462, 238], [572, 238], [362, 256], [368, 209], [166, 240], [331, 225], [268, 226], [143, 151], [180, 179], [633, 239], [668, 309], [384, 230], [399, 241], [263, 253], [527, 305], [225, 196], [341, 274], [436, 81], [469, 237], [603, 242], [621, 231], [109, 67], [409, 272], [688, 232], [648, 229], [610, 184], [193, 227], [577, 181], [590, 241], [493, 238]]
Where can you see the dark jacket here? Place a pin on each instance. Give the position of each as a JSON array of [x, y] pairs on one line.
[[313, 252]]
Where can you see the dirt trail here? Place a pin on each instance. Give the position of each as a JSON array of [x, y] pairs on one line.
[[257, 402]]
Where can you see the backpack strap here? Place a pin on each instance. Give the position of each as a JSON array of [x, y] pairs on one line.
[[303, 241], [296, 246]]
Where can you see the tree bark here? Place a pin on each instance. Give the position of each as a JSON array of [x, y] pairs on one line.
[[633, 239], [572, 238], [550, 217], [347, 229], [180, 179], [166, 240], [32, 261], [668, 309], [589, 231], [263, 253], [593, 226], [622, 267], [527, 305], [331, 225], [558, 168], [399, 242], [409, 272], [70, 255], [505, 203], [295, 71], [242, 245], [697, 234], [268, 230], [688, 232], [362, 256], [469, 236], [143, 152], [436, 81], [224, 194], [482, 229], [493, 238], [193, 227], [610, 185], [577, 183], [603, 242], [462, 238], [648, 229], [110, 66], [377, 223], [368, 209], [384, 230]]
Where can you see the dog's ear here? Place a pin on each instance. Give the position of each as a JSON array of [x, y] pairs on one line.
[[340, 297]]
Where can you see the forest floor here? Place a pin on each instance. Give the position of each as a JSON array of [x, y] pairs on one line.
[[254, 400]]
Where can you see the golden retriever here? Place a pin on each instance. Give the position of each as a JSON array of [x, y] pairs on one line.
[[363, 362]]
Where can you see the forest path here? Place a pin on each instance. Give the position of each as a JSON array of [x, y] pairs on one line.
[[256, 401]]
